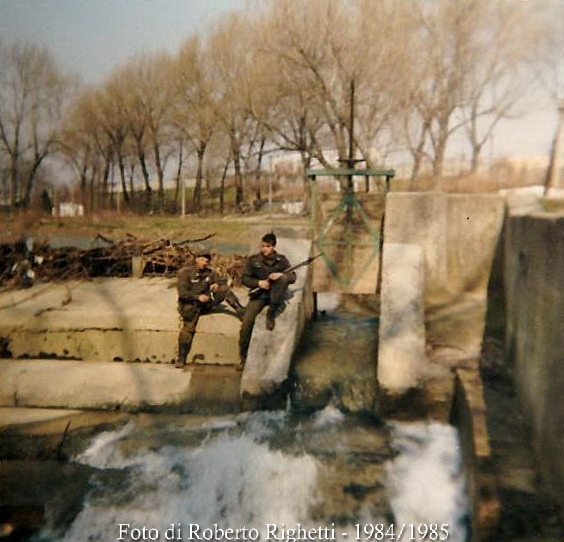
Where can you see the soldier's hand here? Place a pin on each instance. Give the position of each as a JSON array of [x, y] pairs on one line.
[[264, 284], [275, 276], [214, 287], [203, 298]]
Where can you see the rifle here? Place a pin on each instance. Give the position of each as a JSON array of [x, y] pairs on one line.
[[290, 269]]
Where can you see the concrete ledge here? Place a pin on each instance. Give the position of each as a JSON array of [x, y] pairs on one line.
[[110, 319], [117, 386], [469, 417], [457, 234], [216, 341]]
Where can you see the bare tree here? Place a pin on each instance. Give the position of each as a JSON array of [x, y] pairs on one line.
[[195, 110], [78, 145], [33, 94], [498, 59], [231, 61], [146, 83]]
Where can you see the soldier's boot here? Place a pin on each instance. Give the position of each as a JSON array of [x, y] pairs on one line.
[[270, 322], [182, 355], [233, 301]]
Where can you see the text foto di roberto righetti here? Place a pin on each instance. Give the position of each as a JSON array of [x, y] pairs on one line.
[[195, 533], [280, 533]]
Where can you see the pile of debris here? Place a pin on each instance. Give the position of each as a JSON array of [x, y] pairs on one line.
[[22, 263]]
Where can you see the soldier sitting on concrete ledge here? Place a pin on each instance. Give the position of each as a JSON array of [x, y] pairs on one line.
[[200, 291], [266, 274]]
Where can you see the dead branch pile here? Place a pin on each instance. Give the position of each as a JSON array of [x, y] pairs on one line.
[[21, 267]]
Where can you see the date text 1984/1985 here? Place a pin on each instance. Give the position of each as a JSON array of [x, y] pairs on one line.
[[404, 532]]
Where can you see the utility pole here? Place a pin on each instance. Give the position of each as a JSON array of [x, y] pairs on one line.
[[350, 162]]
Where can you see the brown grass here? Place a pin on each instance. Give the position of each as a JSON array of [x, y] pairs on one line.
[[239, 229]]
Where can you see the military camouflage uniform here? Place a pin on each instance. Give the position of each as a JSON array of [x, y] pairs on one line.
[[259, 267], [192, 283]]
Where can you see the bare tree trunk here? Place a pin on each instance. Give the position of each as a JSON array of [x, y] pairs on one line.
[[440, 145], [222, 186], [239, 199], [29, 182], [91, 200], [121, 167], [418, 155], [145, 172], [84, 185], [258, 176], [105, 184], [306, 162], [178, 172], [197, 196], [14, 181], [160, 176]]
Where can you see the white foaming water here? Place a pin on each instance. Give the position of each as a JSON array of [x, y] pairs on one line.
[[328, 301], [239, 481], [425, 481], [103, 452], [234, 481], [330, 415]]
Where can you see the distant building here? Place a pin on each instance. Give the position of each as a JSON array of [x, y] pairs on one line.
[[69, 209]]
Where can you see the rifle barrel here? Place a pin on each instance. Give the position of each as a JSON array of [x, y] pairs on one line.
[[290, 269]]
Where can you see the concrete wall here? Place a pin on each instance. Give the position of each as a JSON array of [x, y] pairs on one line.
[[102, 319], [534, 289], [457, 235]]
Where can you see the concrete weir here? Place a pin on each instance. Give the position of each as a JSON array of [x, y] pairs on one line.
[[66, 342]]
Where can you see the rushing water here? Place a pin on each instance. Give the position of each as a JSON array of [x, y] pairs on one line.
[[254, 472], [300, 474]]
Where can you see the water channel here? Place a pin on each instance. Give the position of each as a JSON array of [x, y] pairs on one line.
[[324, 468]]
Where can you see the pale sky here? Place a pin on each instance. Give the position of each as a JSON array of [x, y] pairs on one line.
[[92, 37]]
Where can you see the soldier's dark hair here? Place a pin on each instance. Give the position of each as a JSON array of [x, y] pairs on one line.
[[269, 238]]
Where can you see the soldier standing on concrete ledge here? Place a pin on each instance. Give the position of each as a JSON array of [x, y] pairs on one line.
[[264, 275], [200, 290]]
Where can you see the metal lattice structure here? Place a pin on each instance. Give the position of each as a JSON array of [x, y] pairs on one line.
[[347, 226]]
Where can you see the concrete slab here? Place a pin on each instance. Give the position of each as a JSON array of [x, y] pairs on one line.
[[96, 385]]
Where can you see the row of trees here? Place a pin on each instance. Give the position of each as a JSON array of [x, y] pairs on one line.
[[278, 78]]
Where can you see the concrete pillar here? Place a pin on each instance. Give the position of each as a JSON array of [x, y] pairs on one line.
[[401, 351]]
